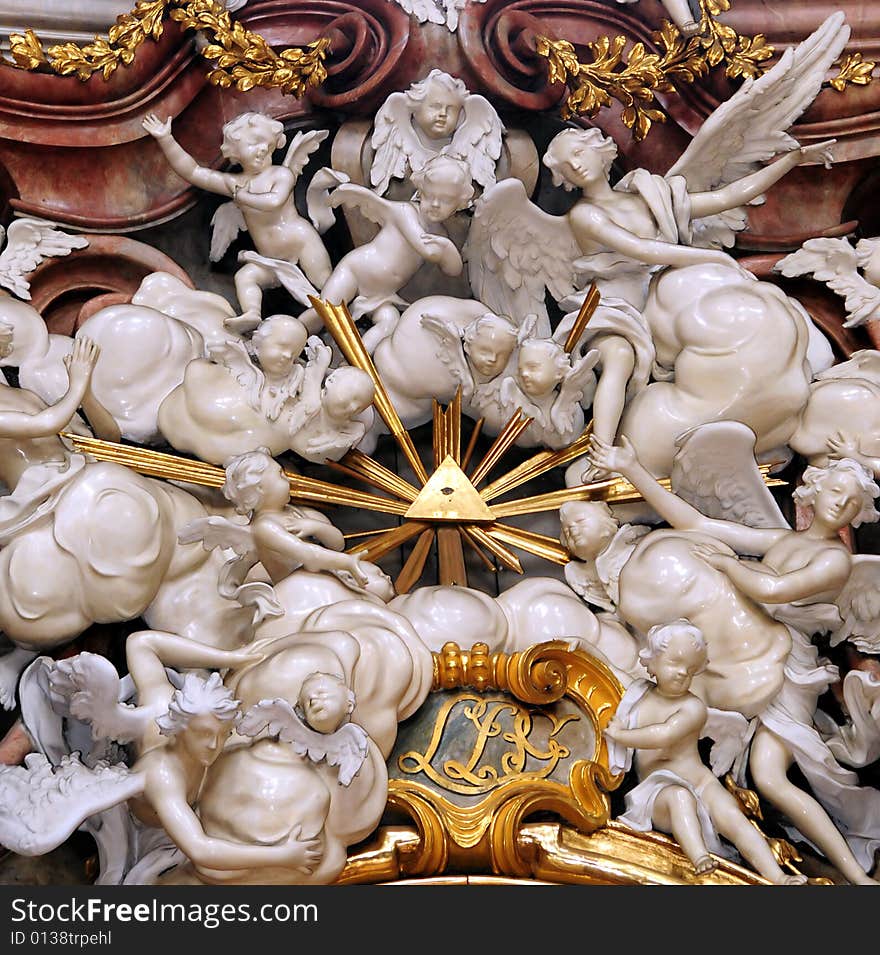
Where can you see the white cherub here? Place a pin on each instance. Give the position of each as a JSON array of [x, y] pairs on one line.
[[289, 249], [435, 116], [663, 722], [549, 387], [411, 233]]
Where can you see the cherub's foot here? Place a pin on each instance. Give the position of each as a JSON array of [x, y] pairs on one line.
[[705, 864], [793, 880], [689, 29], [11, 666], [593, 474], [246, 322]]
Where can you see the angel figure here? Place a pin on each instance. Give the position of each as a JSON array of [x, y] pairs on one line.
[[290, 251], [230, 403], [549, 387], [330, 419], [619, 236], [757, 617], [179, 731], [277, 535], [28, 242], [662, 722], [836, 263], [411, 233], [436, 116]]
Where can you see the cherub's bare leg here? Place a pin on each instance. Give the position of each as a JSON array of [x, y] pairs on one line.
[[617, 364], [315, 262], [250, 280], [682, 16], [769, 762], [11, 666], [384, 320], [735, 827], [341, 287], [675, 811]]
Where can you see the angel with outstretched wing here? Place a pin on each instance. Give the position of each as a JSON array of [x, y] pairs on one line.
[[318, 726], [289, 249], [435, 116], [619, 235], [28, 242], [837, 263]]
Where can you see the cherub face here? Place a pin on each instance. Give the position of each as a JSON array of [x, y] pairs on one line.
[[441, 197], [587, 532], [325, 702], [537, 373], [254, 150], [344, 399], [838, 499], [675, 667], [438, 113], [279, 348], [204, 737], [489, 351], [273, 486]]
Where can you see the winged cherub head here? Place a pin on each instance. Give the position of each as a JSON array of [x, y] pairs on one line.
[[437, 102], [255, 481], [541, 366], [587, 527], [445, 187], [325, 702], [577, 158], [675, 653], [347, 392], [277, 344], [488, 343], [251, 139]]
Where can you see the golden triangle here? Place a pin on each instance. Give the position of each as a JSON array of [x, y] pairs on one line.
[[449, 496]]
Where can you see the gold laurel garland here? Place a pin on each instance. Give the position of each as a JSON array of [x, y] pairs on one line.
[[634, 78], [243, 59]]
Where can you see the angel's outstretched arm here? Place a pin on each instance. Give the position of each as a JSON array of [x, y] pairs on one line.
[[148, 652], [80, 364], [165, 790], [827, 571], [183, 164], [313, 557], [744, 190], [677, 512], [594, 223]]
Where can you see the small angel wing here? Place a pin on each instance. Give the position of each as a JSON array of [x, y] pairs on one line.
[[88, 688], [318, 197], [374, 207], [715, 471], [227, 221], [751, 127], [864, 363], [28, 242], [347, 749], [277, 718], [730, 733], [577, 382], [450, 350], [218, 532], [301, 148], [233, 354], [859, 605], [478, 139], [515, 251], [43, 805], [396, 145], [821, 258]]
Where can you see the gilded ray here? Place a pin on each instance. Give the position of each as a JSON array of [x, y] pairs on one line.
[[415, 563], [588, 309], [453, 572], [338, 321], [538, 544], [472, 443], [366, 469], [501, 445], [387, 541], [504, 554]]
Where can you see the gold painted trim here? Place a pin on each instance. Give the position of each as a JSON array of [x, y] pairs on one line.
[[242, 58]]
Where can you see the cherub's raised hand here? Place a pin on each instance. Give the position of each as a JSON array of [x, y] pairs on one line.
[[607, 457], [818, 152], [155, 126], [81, 361]]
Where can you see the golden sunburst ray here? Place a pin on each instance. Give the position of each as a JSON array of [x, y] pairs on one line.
[[415, 563], [588, 309], [501, 445], [450, 553], [533, 543], [387, 541], [359, 465], [504, 554], [472, 443], [338, 321]]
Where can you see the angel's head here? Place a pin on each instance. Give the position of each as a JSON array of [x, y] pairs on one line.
[[586, 528], [277, 343], [868, 258], [675, 653], [347, 392], [325, 702], [250, 140], [577, 158], [255, 481], [840, 494], [436, 103], [541, 365], [200, 717], [489, 342], [444, 185]]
